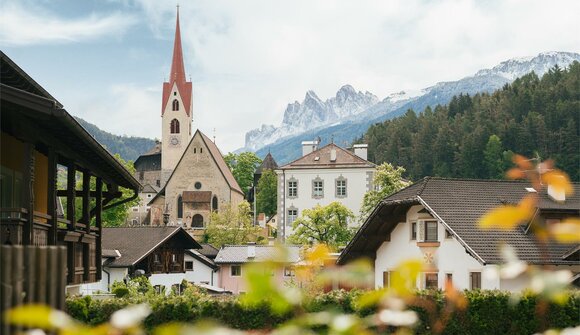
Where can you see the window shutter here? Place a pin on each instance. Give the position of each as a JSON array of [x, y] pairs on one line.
[[420, 231]]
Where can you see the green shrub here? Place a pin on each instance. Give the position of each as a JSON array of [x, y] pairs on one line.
[[488, 312]]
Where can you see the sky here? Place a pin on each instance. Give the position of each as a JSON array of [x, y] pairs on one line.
[[106, 60]]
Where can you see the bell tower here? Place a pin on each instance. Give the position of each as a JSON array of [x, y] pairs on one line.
[[176, 110]]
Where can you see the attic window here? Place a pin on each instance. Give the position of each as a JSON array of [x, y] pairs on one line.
[[316, 158], [531, 190]]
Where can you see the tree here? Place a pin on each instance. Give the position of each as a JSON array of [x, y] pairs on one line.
[[232, 225], [266, 199], [493, 156], [324, 224], [387, 180], [243, 167]]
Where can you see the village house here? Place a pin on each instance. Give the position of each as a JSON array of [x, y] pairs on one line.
[[233, 258], [319, 177], [436, 220], [39, 139], [166, 255]]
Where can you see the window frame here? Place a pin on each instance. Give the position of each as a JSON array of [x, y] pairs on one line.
[[174, 126], [317, 190], [238, 273], [427, 280], [337, 187], [426, 229], [186, 267], [295, 216], [477, 275], [292, 189], [413, 231], [289, 272], [175, 105], [386, 279]]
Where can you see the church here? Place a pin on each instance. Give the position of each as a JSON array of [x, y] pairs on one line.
[[184, 176]]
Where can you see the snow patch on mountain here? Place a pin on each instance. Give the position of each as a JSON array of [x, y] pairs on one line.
[[351, 107], [312, 113]]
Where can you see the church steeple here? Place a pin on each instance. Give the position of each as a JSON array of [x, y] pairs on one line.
[[177, 67], [176, 110], [177, 75]]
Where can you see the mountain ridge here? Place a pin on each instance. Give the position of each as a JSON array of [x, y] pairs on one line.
[[287, 147]]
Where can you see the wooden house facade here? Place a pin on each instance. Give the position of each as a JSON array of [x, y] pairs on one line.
[[40, 143]]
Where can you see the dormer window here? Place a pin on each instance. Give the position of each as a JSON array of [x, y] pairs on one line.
[[174, 126], [175, 105]]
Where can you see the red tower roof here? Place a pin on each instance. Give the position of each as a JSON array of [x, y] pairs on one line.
[[177, 74]]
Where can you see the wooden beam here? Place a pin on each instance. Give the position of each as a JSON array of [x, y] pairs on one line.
[[28, 192], [71, 196], [99, 224], [52, 198], [86, 200]]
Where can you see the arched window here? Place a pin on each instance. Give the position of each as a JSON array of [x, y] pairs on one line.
[[214, 203], [197, 221], [179, 207], [175, 105], [174, 126]]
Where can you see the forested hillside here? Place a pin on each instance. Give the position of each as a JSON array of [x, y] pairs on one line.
[[129, 147], [474, 136]]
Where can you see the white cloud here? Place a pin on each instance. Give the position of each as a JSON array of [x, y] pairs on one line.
[[249, 58], [128, 109], [32, 25]]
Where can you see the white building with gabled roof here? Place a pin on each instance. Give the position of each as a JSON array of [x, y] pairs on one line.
[[319, 177]]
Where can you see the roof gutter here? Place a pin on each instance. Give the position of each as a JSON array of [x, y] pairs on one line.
[[461, 241], [115, 204]]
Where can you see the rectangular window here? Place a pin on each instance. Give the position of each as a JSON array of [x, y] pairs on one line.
[[236, 270], [386, 279], [292, 215], [449, 278], [157, 258], [341, 188], [475, 280], [413, 231], [431, 281], [188, 266], [430, 231], [292, 189], [289, 271], [318, 188]]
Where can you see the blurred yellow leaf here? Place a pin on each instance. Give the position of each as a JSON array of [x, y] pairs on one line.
[[38, 316], [515, 173], [404, 278], [507, 217], [559, 180], [568, 231], [319, 254], [522, 162]]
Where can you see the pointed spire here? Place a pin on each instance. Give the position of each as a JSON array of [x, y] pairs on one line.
[[177, 67]]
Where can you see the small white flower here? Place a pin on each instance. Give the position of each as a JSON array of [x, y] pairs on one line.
[[130, 316], [35, 332], [343, 322], [513, 269], [398, 318]]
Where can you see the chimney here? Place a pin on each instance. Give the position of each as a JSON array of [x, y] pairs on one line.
[[308, 147], [556, 195], [333, 155], [361, 150], [251, 249]]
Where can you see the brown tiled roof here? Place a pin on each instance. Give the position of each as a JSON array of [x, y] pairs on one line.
[[208, 250], [239, 254], [459, 203], [135, 243], [321, 159], [196, 196], [267, 164]]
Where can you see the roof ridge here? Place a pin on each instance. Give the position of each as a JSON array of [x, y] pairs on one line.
[[313, 153]]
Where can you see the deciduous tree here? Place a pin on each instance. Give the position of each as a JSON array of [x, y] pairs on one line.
[[243, 166], [267, 193], [232, 225], [387, 180]]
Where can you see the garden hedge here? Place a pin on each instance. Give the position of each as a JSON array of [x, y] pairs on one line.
[[488, 312]]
